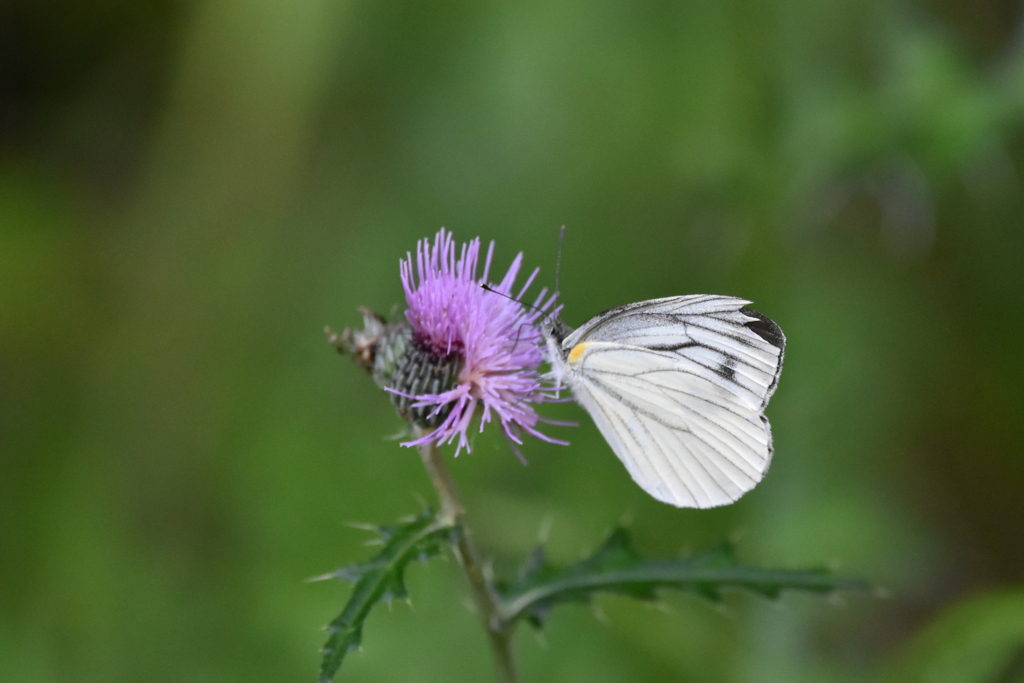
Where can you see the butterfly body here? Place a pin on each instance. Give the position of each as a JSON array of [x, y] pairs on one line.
[[677, 386]]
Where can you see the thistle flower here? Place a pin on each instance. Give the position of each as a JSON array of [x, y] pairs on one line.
[[463, 351], [489, 336]]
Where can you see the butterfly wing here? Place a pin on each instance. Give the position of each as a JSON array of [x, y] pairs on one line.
[[677, 387]]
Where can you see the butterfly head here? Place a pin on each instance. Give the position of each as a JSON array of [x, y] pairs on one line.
[[555, 332]]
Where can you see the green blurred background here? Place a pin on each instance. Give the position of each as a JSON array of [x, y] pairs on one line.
[[190, 191]]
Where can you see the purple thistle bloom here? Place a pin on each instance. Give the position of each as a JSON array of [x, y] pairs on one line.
[[492, 337]]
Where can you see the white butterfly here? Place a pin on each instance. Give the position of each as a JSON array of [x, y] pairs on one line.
[[677, 387]]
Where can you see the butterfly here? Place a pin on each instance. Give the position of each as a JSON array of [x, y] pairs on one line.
[[677, 386]]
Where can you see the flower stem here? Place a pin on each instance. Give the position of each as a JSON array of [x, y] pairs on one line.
[[499, 633]]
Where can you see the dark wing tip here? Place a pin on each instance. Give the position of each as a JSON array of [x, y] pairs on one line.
[[765, 328]]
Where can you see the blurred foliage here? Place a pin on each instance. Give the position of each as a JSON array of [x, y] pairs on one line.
[[980, 640], [190, 191]]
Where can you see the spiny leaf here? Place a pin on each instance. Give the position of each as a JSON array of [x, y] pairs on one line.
[[382, 578], [615, 568]]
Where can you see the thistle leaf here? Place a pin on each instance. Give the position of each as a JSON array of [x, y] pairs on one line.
[[615, 568], [382, 578]]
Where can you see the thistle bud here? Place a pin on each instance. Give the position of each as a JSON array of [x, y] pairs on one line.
[[400, 366]]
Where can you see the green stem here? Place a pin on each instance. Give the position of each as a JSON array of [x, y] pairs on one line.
[[499, 633]]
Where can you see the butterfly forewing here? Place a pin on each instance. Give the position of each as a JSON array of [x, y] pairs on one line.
[[653, 322]]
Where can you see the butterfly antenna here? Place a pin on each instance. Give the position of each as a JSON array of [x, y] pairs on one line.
[[492, 290], [486, 287], [558, 258]]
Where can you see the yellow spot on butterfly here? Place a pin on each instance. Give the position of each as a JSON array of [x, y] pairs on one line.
[[577, 351]]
